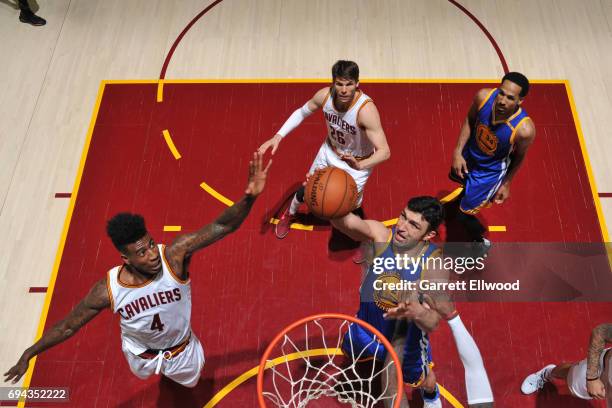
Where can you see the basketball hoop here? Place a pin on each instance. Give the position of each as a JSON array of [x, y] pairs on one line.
[[312, 365]]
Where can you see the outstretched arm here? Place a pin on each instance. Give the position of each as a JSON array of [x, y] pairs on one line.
[[229, 220], [361, 230], [294, 120], [601, 335], [96, 300]]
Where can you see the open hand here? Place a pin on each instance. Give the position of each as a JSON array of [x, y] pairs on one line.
[[273, 142], [596, 389], [351, 161], [16, 371], [459, 166], [308, 176], [257, 175], [502, 194], [405, 310]]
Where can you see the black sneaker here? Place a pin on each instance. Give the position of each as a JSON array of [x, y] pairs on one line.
[[28, 17], [481, 248]]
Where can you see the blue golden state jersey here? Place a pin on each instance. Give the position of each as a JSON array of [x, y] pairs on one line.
[[490, 144], [358, 342], [374, 303]]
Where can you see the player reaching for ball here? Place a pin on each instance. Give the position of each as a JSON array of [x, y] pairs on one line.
[[355, 139], [151, 294], [406, 317], [410, 238]]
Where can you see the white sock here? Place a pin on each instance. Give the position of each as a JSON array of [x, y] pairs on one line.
[[295, 204], [476, 380]]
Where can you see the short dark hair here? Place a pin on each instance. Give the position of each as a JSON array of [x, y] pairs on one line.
[[519, 79], [345, 69], [431, 209], [125, 228]]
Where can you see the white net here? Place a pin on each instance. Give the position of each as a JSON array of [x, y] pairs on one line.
[[312, 365]]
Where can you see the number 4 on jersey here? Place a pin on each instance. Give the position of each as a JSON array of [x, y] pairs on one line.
[[157, 323]]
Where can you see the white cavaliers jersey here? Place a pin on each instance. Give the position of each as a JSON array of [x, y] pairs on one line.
[[153, 315], [343, 132]]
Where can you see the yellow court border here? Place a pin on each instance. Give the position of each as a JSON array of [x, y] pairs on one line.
[[58, 256], [161, 82], [587, 163], [102, 86]]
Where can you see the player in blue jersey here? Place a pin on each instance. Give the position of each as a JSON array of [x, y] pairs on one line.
[[492, 145], [408, 240], [406, 317]]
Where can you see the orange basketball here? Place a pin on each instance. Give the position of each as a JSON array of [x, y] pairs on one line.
[[331, 193]]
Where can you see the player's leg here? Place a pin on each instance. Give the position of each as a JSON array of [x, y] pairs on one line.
[[417, 364], [575, 376], [535, 381], [361, 178], [140, 367], [398, 343], [479, 188], [186, 367], [28, 16]]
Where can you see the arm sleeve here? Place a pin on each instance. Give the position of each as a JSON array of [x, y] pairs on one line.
[[477, 382], [294, 120]]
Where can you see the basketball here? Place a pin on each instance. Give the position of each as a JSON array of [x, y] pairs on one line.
[[331, 193]]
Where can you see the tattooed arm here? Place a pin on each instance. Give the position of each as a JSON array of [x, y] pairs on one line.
[[185, 245], [96, 300], [601, 335]]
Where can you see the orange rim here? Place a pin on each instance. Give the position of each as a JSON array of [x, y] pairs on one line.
[[383, 340]]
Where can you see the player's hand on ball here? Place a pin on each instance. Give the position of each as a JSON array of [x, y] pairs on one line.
[[17, 371], [596, 389], [459, 165], [351, 161], [273, 142], [308, 176], [257, 174], [502, 194], [405, 310]]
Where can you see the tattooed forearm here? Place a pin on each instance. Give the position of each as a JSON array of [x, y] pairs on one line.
[[226, 223], [601, 335], [96, 300], [235, 215]]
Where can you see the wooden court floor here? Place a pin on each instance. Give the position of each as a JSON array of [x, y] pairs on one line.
[[51, 78]]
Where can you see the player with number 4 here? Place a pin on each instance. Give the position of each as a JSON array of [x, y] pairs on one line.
[[151, 294]]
